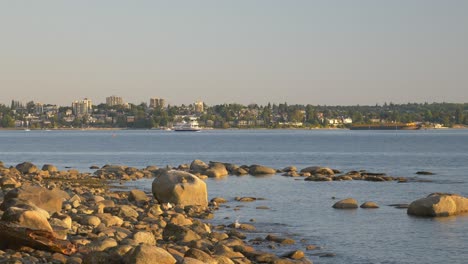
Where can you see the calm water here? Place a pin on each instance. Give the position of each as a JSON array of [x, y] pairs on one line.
[[298, 209]]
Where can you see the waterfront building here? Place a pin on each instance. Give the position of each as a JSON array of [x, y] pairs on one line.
[[157, 103], [114, 100], [82, 107]]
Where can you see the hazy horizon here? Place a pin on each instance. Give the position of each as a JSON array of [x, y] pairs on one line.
[[300, 52]]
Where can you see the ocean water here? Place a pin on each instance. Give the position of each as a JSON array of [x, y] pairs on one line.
[[298, 209]]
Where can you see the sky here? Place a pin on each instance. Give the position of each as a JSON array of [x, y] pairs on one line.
[[235, 51]]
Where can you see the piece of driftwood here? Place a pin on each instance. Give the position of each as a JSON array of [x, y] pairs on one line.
[[14, 236]]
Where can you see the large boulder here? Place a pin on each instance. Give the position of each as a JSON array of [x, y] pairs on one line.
[[147, 254], [348, 203], [318, 170], [50, 168], [261, 170], [49, 200], [198, 166], [439, 204], [181, 188], [26, 168]]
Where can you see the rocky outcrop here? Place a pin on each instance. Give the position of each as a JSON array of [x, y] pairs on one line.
[[217, 170], [198, 166], [181, 188], [439, 204], [256, 170], [348, 203]]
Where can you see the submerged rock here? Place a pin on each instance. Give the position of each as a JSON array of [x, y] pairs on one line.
[[261, 170], [369, 205]]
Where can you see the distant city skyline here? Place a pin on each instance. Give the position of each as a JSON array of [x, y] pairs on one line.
[[301, 52]]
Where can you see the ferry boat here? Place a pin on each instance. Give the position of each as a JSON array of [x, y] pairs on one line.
[[191, 126], [387, 126]]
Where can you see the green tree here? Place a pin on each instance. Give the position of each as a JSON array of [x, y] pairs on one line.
[[8, 121]]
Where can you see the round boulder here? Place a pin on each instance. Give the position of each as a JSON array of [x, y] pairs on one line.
[[369, 205], [180, 188], [318, 170], [348, 203], [261, 170], [439, 204]]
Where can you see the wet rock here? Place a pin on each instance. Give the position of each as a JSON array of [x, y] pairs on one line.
[[318, 178], [216, 171], [369, 205], [50, 168], [348, 203], [280, 240], [180, 188], [257, 170], [289, 169], [296, 254], [439, 204], [179, 233], [198, 166], [318, 170], [425, 173], [245, 199]]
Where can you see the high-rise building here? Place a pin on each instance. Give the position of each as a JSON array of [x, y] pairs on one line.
[[199, 107], [114, 100], [83, 107], [157, 103]]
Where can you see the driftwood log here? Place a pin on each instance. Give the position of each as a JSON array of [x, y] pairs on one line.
[[15, 237]]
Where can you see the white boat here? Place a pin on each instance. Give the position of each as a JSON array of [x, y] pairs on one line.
[[191, 126]]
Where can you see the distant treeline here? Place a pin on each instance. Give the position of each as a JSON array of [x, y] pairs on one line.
[[237, 115]]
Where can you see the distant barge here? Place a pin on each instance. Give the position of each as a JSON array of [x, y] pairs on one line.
[[391, 126]]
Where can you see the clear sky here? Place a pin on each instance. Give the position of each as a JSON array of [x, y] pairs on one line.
[[244, 51]]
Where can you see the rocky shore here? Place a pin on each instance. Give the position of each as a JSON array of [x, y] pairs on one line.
[[52, 216]]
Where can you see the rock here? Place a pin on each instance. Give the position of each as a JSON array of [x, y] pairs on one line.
[[425, 173], [138, 196], [110, 220], [101, 245], [34, 219], [94, 167], [256, 170], [318, 170], [180, 188], [200, 255], [146, 254], [439, 204], [218, 200], [96, 257], [296, 254], [241, 171], [179, 233], [198, 166], [49, 200], [289, 169], [216, 171], [90, 220], [369, 205], [26, 168], [50, 168], [280, 240], [127, 211], [318, 178], [7, 182], [348, 203], [144, 237]]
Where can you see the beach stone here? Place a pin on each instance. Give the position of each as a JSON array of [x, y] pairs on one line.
[[138, 196], [97, 257], [90, 220], [127, 211], [280, 240], [50, 168], [179, 233], [369, 205], [144, 237], [27, 218], [318, 170], [348, 203], [439, 204], [219, 200], [241, 171], [216, 171], [188, 260], [289, 169], [180, 188], [27, 168], [67, 221], [296, 254], [225, 251], [49, 200], [110, 220], [7, 182], [101, 245], [146, 254], [198, 166], [256, 170], [200, 255]]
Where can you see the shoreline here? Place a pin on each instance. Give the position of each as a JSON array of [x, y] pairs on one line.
[[84, 221]]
